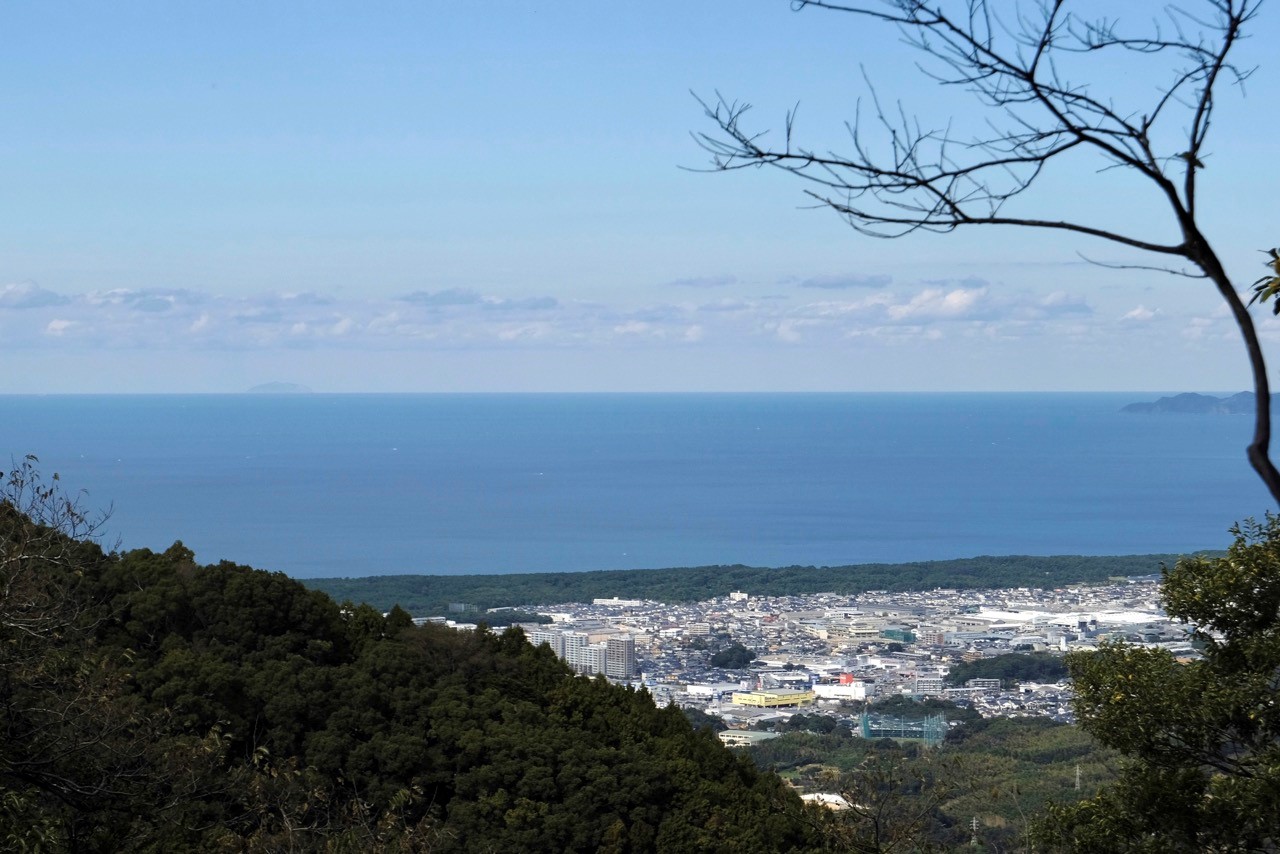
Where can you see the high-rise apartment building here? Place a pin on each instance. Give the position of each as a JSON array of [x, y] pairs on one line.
[[614, 655], [620, 657]]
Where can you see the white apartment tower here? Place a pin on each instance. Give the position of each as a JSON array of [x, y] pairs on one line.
[[578, 653]]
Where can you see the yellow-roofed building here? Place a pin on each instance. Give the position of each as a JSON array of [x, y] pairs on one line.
[[774, 698]]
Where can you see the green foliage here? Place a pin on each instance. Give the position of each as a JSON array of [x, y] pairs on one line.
[[701, 720], [1004, 772], [1267, 286], [733, 657], [896, 806], [1011, 668], [1202, 738], [153, 704], [71, 740], [430, 594], [821, 724]]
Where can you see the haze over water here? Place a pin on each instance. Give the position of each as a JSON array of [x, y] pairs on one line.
[[323, 485]]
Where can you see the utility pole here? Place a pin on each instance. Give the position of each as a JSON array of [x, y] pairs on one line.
[[1077, 776]]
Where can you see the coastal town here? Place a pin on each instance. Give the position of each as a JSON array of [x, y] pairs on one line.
[[754, 661]]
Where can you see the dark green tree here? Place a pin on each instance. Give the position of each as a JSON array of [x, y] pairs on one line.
[[1010, 668], [733, 657], [895, 807], [148, 703], [701, 720], [1202, 737], [69, 741]]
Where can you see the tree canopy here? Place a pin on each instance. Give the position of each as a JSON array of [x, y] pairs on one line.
[[151, 703], [733, 657], [1202, 737], [1010, 668]]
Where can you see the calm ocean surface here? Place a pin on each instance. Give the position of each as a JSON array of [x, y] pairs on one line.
[[323, 485]]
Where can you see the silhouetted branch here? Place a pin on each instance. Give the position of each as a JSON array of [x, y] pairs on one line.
[[1014, 60]]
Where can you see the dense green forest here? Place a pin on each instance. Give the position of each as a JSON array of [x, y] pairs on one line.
[[153, 704], [431, 594], [1011, 668]]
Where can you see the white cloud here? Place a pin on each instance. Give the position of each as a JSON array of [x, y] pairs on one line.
[[177, 319], [902, 333], [1061, 302], [146, 299], [1210, 329], [789, 330], [524, 332], [936, 304], [28, 295], [1141, 314]]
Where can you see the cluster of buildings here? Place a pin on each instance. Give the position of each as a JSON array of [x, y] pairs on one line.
[[819, 653], [590, 647]]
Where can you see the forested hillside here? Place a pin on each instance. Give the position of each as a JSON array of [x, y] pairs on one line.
[[431, 594], [1003, 772], [153, 704]]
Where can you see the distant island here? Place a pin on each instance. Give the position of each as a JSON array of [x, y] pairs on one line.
[[280, 388], [1198, 404]]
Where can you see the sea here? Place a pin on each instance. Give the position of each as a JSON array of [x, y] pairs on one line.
[[319, 485]]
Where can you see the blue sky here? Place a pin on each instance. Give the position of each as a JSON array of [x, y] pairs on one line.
[[488, 196]]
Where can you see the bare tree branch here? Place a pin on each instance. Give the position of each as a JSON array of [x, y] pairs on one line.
[[1172, 271], [1014, 59]]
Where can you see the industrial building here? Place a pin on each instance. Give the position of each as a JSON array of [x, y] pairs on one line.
[[773, 698]]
